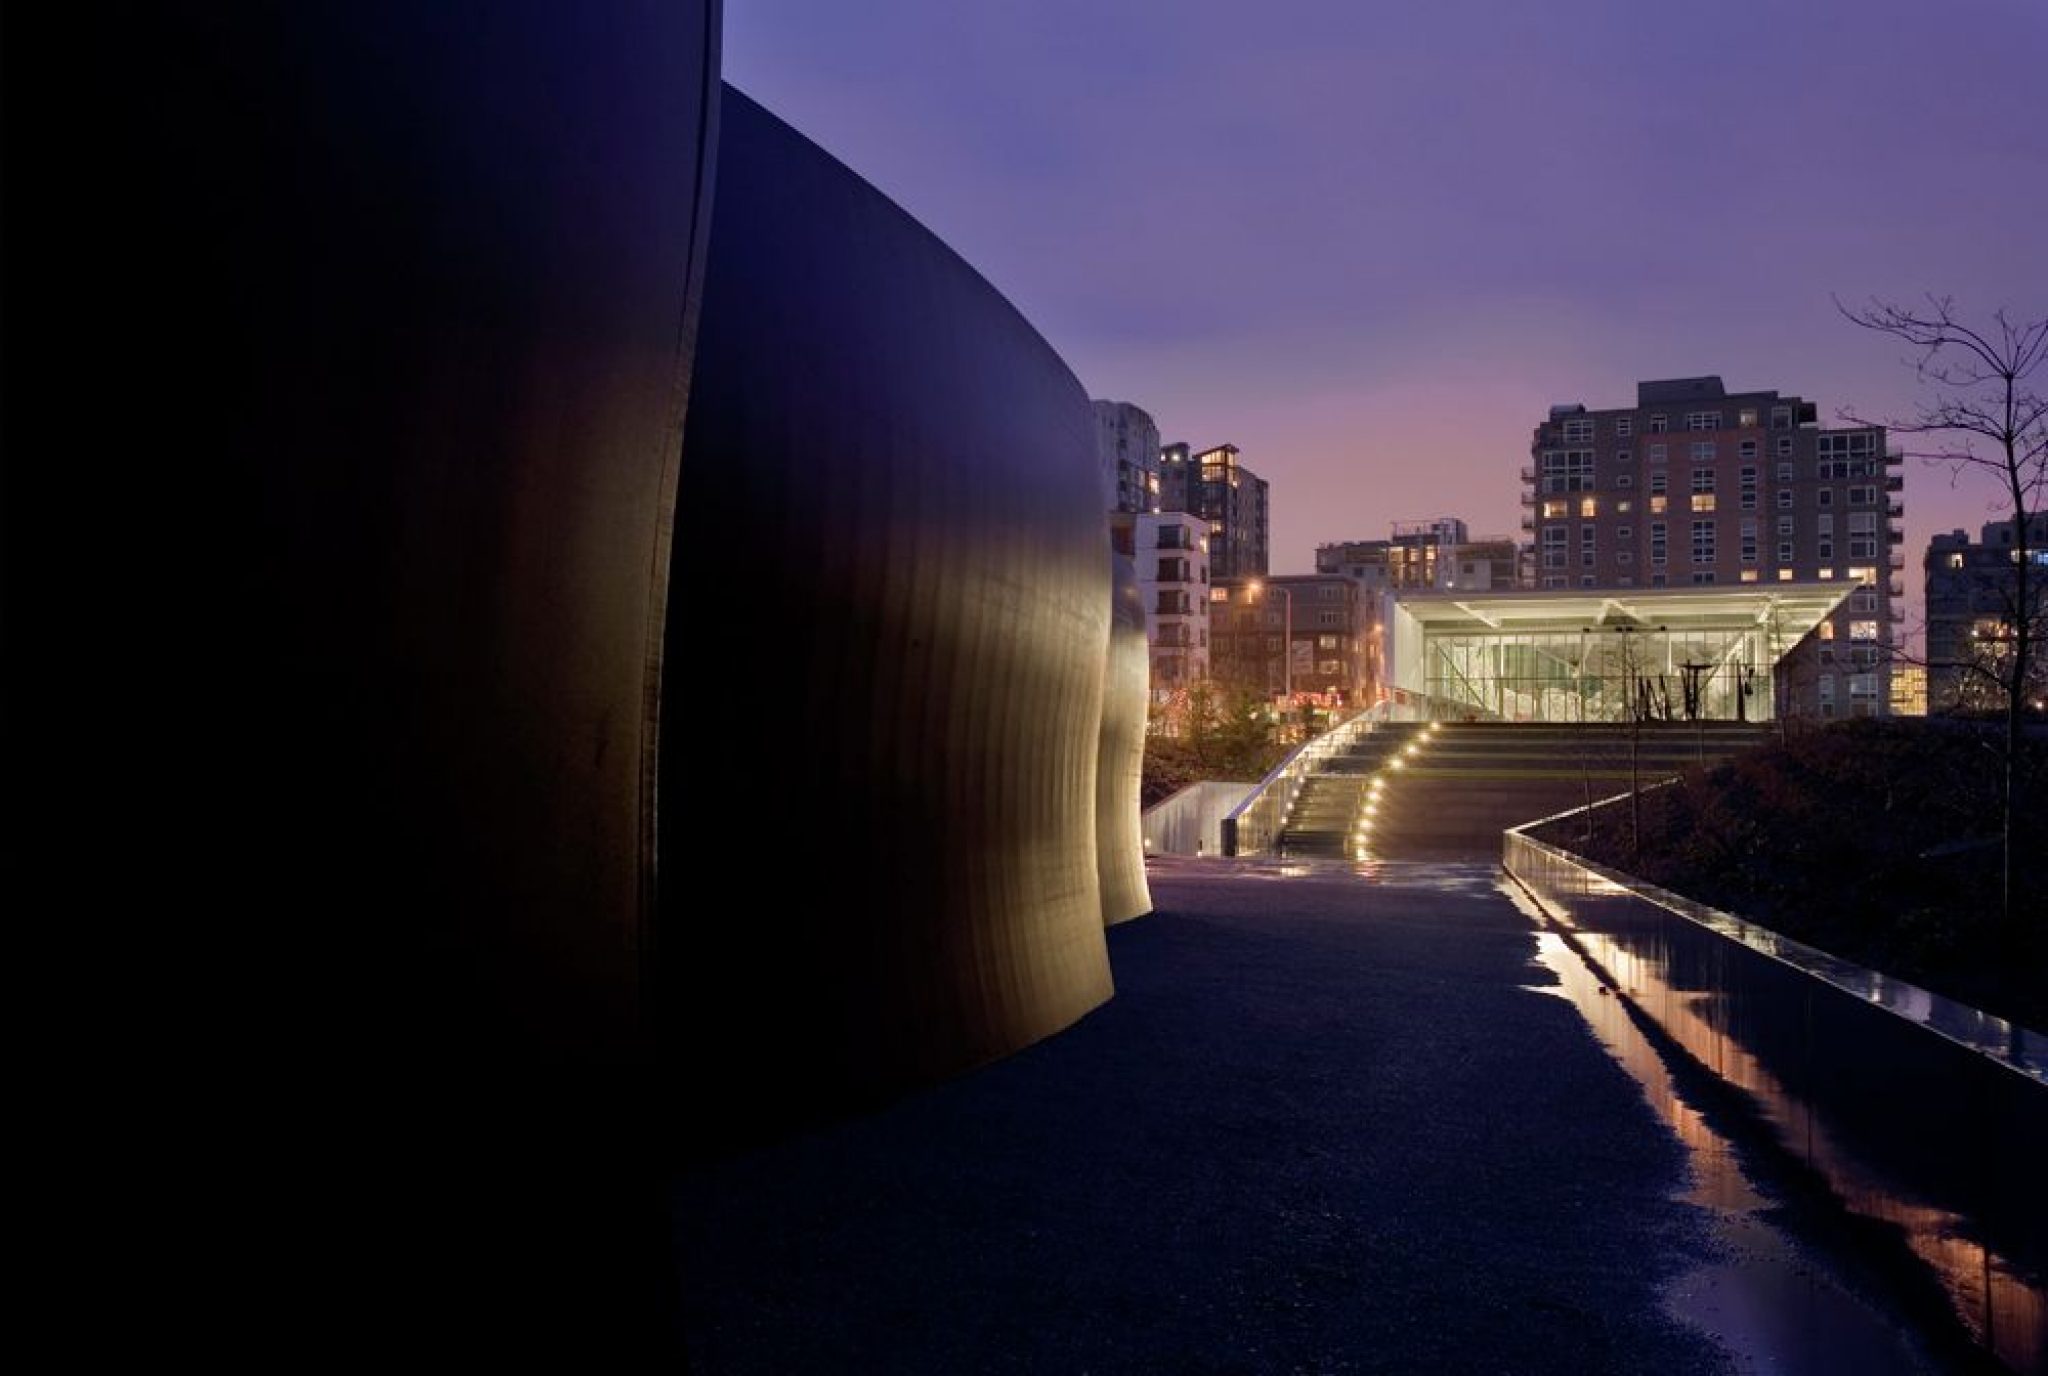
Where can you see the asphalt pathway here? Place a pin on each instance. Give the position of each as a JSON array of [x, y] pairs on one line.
[[1325, 1125]]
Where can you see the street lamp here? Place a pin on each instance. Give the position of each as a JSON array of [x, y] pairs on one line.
[[1286, 634]]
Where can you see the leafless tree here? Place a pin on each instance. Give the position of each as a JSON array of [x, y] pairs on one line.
[[1985, 414]]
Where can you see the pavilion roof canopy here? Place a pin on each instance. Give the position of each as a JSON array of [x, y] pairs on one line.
[[1798, 607]]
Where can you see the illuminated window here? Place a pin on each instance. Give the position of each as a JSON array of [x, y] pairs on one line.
[[1827, 574], [1657, 506], [1749, 575], [1784, 575], [1551, 511], [1589, 506], [1863, 630], [1703, 501], [1219, 594], [1746, 418], [1624, 507], [1827, 630]]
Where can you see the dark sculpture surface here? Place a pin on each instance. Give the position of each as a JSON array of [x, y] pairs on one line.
[[347, 355], [348, 351], [889, 567]]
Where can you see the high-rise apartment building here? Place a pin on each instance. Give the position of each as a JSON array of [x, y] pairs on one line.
[[1171, 551], [1972, 604], [1696, 485], [1127, 454], [1212, 484]]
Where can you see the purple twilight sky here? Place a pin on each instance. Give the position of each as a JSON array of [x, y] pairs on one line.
[[1370, 243]]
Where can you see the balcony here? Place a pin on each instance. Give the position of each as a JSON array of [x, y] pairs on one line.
[[1895, 510], [1894, 482], [1897, 559], [1895, 536], [1528, 497], [1528, 521], [1895, 588], [1898, 615], [1894, 457], [1528, 475]]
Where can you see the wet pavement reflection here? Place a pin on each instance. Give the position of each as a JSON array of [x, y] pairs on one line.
[[1959, 1182], [1938, 1137], [1765, 1301]]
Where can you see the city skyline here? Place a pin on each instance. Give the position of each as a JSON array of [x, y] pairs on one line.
[[1366, 247]]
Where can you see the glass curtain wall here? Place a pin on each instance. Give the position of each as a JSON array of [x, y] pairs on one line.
[[1606, 673]]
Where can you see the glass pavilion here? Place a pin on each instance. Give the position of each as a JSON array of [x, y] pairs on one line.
[[1710, 651]]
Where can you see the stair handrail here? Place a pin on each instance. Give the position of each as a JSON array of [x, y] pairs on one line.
[[1251, 827]]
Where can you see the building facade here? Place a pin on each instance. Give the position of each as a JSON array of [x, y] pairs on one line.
[[1214, 485], [1972, 603], [1438, 553], [1695, 485], [1171, 551], [1300, 634], [1127, 453]]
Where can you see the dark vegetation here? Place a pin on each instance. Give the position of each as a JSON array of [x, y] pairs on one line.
[[1210, 734], [1876, 841]]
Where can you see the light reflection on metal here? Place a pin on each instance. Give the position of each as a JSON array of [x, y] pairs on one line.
[[904, 470], [1120, 763]]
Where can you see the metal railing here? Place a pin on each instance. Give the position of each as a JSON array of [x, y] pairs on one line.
[[1901, 1100], [1252, 826]]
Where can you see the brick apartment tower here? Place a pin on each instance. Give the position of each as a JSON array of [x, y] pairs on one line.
[[1696, 485]]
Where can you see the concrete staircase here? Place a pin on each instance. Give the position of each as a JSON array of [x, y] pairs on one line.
[[1324, 817], [1448, 790]]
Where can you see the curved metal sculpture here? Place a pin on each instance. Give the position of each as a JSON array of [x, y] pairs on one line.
[[885, 659], [394, 311], [389, 309], [1119, 779]]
